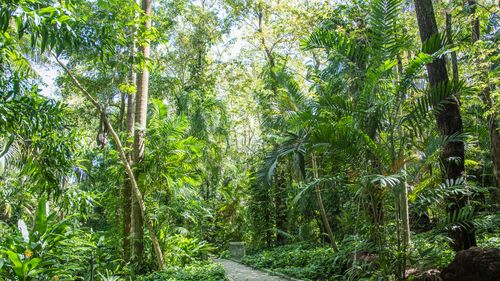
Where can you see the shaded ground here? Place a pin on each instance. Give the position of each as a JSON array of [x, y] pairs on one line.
[[239, 272]]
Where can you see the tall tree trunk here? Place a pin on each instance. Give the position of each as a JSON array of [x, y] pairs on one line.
[[322, 210], [140, 132], [127, 188], [129, 135], [449, 122]]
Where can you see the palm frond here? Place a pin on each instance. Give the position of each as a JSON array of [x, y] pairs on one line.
[[434, 100], [383, 21], [337, 44], [293, 145], [307, 186], [462, 217], [386, 180]]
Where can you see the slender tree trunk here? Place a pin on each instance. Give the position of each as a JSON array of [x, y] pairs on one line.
[[102, 135], [127, 188], [129, 134], [493, 131], [405, 210], [322, 210], [495, 151], [475, 22], [494, 134], [140, 133], [123, 157], [449, 122], [123, 104], [405, 213], [454, 60], [281, 208]]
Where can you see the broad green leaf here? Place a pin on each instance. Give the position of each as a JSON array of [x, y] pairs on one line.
[[41, 216]]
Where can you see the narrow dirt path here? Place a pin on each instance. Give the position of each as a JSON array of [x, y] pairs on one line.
[[239, 272]]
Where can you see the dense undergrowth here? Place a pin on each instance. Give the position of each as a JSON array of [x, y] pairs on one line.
[[193, 272], [310, 261]]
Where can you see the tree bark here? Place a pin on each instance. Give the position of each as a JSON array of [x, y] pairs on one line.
[[121, 118], [475, 22], [127, 188], [123, 157], [449, 122], [140, 132]]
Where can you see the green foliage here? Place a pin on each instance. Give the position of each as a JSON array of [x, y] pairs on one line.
[[49, 249], [44, 138], [181, 250], [304, 261], [193, 272], [308, 261]]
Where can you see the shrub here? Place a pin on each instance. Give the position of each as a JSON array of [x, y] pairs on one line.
[[301, 260], [194, 272]]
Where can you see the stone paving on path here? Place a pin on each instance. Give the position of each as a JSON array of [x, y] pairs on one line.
[[238, 272]]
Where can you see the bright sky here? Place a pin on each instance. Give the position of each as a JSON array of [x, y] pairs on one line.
[[48, 74]]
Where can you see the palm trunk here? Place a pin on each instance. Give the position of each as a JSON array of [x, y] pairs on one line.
[[140, 134], [405, 213], [449, 122], [127, 187], [322, 210]]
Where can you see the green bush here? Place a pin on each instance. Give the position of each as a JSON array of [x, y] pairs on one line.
[[194, 272], [182, 250], [301, 260], [50, 248]]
